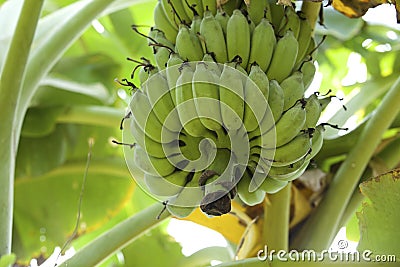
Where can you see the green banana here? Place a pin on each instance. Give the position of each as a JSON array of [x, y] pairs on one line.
[[256, 92], [157, 90], [161, 56], [161, 39], [210, 5], [293, 151], [308, 69], [212, 65], [293, 89], [162, 22], [275, 99], [147, 120], [229, 6], [172, 72], [263, 41], [185, 103], [151, 165], [238, 37], [303, 39], [195, 25], [213, 36], [277, 13], [231, 95], [197, 5], [285, 172], [285, 51], [313, 110], [175, 12], [152, 147], [183, 204], [188, 45], [317, 141], [166, 186], [295, 174], [206, 96], [257, 10], [290, 21], [249, 198], [290, 124], [272, 186], [223, 19]]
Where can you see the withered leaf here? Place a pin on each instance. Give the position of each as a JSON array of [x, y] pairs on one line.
[[355, 9]]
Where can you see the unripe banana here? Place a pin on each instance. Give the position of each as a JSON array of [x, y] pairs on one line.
[[206, 96], [212, 65], [162, 22], [210, 5], [229, 6], [303, 39], [290, 21], [185, 103], [285, 51], [195, 25], [285, 172], [188, 44], [296, 174], [175, 12], [147, 120], [263, 41], [161, 56], [161, 39], [211, 32], [277, 13], [152, 147], [272, 186], [172, 72], [222, 17], [145, 72], [166, 186], [276, 99], [249, 198], [238, 37], [308, 69], [257, 9], [313, 110], [317, 141], [197, 5], [256, 98], [188, 199], [290, 124], [293, 151], [158, 93], [231, 94], [293, 89], [151, 165]]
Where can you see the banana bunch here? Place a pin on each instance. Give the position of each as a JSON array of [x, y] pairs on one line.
[[222, 114]]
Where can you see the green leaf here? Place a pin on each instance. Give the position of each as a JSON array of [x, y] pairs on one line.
[[39, 122], [7, 260], [58, 91], [156, 242], [378, 219], [46, 207], [37, 156]]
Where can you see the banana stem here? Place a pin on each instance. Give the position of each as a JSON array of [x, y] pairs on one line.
[[276, 220], [117, 237], [320, 229], [11, 80], [311, 11]]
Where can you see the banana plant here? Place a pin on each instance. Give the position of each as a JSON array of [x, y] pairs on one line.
[[64, 181]]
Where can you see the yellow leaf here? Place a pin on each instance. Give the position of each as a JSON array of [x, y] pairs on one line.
[[355, 9]]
